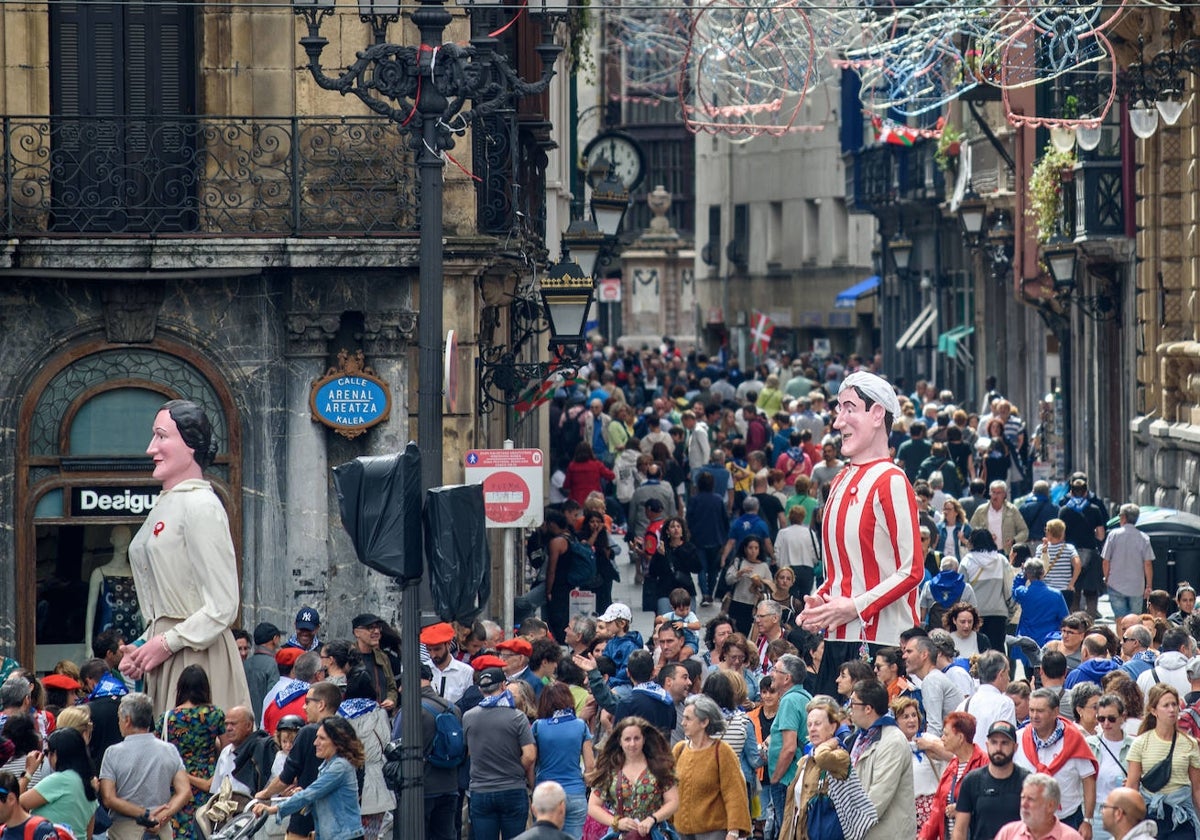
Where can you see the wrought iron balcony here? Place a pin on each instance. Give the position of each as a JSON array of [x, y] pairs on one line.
[[205, 176]]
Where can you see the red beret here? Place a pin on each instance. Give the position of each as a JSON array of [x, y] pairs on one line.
[[518, 645], [60, 681], [288, 656], [479, 663], [437, 634]]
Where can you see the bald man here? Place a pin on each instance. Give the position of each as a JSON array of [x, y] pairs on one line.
[[1124, 816]]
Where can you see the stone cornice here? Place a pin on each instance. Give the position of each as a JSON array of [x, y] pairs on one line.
[[248, 254]]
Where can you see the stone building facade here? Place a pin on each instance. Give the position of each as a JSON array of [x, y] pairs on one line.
[[195, 218]]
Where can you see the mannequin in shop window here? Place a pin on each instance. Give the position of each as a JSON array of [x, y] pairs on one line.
[[184, 568], [112, 596]]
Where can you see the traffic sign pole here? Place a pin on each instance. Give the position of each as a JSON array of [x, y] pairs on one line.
[[512, 499]]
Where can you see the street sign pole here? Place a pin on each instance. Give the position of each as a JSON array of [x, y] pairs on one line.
[[512, 500]]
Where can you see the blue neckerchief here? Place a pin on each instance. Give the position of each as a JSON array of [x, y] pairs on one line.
[[561, 716], [1078, 503], [1055, 736], [357, 707], [290, 692], [502, 700], [293, 642], [656, 691], [108, 686]]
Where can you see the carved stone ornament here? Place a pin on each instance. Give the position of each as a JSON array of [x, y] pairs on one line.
[[131, 311], [350, 398]]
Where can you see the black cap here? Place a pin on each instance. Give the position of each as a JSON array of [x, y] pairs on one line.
[[365, 620], [265, 632], [1003, 727]]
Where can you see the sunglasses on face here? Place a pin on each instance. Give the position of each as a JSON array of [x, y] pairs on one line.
[[1107, 718]]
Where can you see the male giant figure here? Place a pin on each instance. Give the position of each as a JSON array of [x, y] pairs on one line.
[[873, 563]]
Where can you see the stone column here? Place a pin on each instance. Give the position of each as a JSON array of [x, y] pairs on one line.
[[303, 564]]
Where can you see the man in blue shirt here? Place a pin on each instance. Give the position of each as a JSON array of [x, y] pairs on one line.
[[789, 731], [748, 524], [1042, 608], [1037, 510]]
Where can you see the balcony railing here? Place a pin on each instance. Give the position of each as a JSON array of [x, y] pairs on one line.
[[205, 176]]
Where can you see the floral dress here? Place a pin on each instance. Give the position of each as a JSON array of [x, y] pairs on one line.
[[636, 799], [194, 732]]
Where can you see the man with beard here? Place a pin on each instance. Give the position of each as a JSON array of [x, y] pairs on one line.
[[450, 677], [990, 797]]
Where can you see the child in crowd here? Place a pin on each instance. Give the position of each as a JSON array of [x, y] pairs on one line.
[[681, 614]]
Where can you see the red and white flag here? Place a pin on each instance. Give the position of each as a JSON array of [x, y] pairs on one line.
[[761, 329]]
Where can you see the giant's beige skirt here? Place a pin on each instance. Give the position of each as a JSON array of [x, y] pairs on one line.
[[220, 661]]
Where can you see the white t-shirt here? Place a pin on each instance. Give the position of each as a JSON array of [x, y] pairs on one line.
[[223, 768]]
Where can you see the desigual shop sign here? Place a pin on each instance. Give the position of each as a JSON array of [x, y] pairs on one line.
[[112, 501]]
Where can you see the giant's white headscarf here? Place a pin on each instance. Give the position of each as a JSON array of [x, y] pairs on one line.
[[875, 387]]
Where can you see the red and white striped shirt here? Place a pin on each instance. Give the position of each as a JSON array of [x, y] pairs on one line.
[[872, 551]]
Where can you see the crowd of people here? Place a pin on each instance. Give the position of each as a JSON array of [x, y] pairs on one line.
[[870, 594]]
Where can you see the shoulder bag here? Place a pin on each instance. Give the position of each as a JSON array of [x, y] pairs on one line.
[[1157, 778], [854, 808], [821, 815]]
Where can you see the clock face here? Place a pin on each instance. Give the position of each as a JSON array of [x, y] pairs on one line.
[[619, 151]]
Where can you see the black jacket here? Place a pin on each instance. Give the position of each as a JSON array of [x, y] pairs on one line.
[[252, 761]]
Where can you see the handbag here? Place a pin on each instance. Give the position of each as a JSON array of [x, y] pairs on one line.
[[1157, 778], [854, 808], [820, 814]]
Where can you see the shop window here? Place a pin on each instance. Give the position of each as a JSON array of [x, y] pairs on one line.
[[115, 422]]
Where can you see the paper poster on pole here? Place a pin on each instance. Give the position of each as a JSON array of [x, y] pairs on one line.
[[582, 603], [512, 485]]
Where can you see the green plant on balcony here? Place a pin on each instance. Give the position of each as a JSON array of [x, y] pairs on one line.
[[1045, 191], [948, 148]]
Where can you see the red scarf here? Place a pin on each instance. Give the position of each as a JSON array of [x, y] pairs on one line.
[[1073, 747]]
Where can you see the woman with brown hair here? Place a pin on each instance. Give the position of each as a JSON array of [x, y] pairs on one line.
[[633, 785], [333, 795], [1173, 790]]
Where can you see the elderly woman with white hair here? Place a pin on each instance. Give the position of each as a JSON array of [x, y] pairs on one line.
[[712, 791]]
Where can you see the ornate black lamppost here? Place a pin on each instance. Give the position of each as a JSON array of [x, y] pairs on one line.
[[424, 89]]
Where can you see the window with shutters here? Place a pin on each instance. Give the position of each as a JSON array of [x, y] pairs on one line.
[[123, 95]]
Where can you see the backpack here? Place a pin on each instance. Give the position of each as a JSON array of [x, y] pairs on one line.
[[61, 831], [448, 747], [582, 569], [1189, 719]]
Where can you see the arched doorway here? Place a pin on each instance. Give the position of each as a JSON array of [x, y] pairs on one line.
[[81, 471]]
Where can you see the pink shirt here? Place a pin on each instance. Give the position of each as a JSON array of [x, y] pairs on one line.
[[1019, 831]]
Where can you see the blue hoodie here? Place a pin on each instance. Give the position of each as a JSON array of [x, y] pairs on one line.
[[1091, 671], [618, 650]]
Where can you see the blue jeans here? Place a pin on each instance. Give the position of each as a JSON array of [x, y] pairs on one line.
[[1124, 604], [499, 814], [577, 806], [772, 804]]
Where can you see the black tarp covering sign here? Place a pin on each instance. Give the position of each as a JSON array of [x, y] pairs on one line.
[[456, 549], [380, 501]]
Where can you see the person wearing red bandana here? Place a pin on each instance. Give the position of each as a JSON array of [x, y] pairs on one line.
[[1053, 745], [873, 562], [184, 569]]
